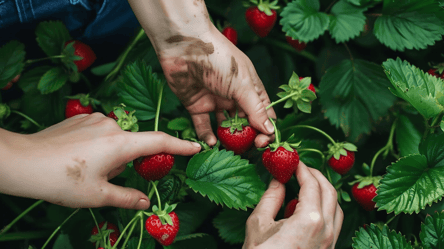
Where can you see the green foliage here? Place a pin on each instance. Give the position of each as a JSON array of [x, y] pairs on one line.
[[408, 136], [414, 181], [204, 242], [432, 231], [52, 80], [354, 95], [11, 61], [192, 215], [302, 20], [225, 178], [346, 22], [51, 37], [374, 237], [149, 243], [410, 24], [231, 225], [423, 91]]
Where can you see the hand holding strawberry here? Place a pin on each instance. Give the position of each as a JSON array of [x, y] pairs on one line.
[[318, 214]]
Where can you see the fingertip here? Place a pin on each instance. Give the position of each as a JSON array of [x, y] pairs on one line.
[[210, 139], [142, 204]]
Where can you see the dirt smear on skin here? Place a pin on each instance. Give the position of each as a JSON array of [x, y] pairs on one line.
[[76, 172]]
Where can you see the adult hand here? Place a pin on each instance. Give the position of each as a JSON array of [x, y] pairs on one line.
[[70, 163], [316, 222]]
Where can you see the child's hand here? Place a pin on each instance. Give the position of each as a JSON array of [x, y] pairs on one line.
[[70, 163]]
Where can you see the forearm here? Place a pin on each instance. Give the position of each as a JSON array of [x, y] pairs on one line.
[[163, 20]]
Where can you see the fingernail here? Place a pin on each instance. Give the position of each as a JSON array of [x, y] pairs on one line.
[[196, 145], [273, 184], [269, 126], [142, 204]]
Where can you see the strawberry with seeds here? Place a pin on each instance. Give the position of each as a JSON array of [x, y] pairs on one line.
[[262, 16], [85, 52], [364, 190], [236, 134], [80, 104], [342, 157]]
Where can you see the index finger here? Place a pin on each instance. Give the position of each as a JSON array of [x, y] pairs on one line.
[[309, 198]]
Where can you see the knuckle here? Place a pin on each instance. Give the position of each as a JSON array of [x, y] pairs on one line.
[[329, 236]]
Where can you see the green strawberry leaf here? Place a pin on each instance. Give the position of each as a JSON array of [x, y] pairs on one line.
[[62, 242], [364, 2], [442, 124], [51, 37], [414, 181], [301, 20], [225, 178], [139, 89], [190, 236], [413, 24], [11, 61], [179, 124], [375, 238], [52, 80], [345, 196], [354, 95], [169, 188], [69, 57], [231, 225], [422, 90], [408, 136], [104, 69], [347, 21], [432, 231]]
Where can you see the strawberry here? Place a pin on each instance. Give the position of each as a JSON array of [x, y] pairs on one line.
[[84, 51], [281, 163], [299, 46], [113, 116], [154, 167], [289, 209], [109, 229], [11, 83], [341, 157], [231, 34], [236, 134], [261, 18], [163, 233], [311, 87], [364, 196], [435, 72], [79, 104]]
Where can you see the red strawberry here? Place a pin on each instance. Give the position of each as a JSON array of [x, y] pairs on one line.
[[299, 46], [260, 22], [236, 134], [281, 163], [343, 164], [435, 72], [289, 209], [11, 83], [365, 195], [164, 234], [112, 229], [75, 107], [311, 87], [154, 167], [113, 116], [84, 51], [231, 34]]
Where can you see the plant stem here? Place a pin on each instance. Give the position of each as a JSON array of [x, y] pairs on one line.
[[312, 128], [435, 121], [281, 100], [141, 234], [129, 234], [25, 235], [7, 227], [138, 215], [349, 52], [390, 220], [313, 150], [58, 228], [152, 190], [28, 118], [159, 102], [289, 48], [276, 132], [387, 146], [46, 58], [157, 194], [329, 176], [97, 225], [87, 82], [124, 55]]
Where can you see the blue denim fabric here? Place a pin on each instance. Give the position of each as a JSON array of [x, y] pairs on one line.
[[103, 24]]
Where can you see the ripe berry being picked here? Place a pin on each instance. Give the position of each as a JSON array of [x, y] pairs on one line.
[[154, 167], [163, 233], [110, 230], [84, 51], [79, 104], [364, 196], [236, 134], [289, 209], [261, 18], [341, 157]]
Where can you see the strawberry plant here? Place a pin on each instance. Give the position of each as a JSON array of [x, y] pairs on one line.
[[368, 114]]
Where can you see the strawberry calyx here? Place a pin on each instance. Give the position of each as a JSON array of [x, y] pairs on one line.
[[235, 123], [366, 181], [103, 232], [128, 122], [163, 214], [85, 100], [288, 145], [264, 6], [338, 149], [439, 68], [5, 111]]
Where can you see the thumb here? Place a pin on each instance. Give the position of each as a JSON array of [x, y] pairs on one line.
[[254, 107], [271, 201], [128, 198]]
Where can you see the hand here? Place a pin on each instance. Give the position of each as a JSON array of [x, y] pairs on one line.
[[316, 222], [70, 163]]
